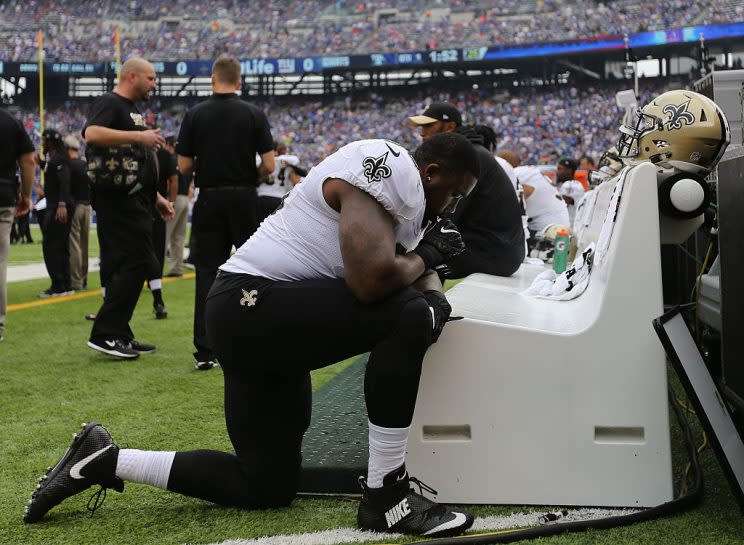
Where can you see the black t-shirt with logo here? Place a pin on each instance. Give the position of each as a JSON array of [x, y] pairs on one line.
[[113, 111], [223, 135], [57, 180], [14, 142]]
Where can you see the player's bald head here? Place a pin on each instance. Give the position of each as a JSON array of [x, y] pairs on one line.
[[137, 79], [135, 65], [510, 157]]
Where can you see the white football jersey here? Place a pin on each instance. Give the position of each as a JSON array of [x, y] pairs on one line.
[[545, 205], [280, 183], [300, 240], [573, 189]]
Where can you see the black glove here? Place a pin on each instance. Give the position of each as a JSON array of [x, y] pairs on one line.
[[442, 241], [441, 310]]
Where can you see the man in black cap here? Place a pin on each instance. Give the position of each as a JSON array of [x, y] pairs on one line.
[[16, 152], [570, 189], [489, 219], [219, 140], [60, 207]]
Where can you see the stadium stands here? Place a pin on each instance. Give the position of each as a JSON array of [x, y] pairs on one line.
[[161, 30], [538, 123]]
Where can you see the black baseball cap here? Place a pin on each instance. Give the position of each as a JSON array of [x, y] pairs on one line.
[[569, 163], [437, 111], [50, 135]]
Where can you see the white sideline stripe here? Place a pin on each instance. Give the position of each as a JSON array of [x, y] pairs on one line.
[[495, 522], [525, 520], [326, 537]]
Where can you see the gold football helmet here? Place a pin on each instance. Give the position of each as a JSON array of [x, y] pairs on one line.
[[679, 130], [545, 240]]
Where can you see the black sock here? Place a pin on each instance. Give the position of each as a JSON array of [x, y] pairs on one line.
[[157, 297]]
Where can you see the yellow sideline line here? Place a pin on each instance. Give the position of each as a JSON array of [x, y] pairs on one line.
[[84, 295]]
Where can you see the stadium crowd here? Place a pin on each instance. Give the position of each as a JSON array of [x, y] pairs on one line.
[[540, 124], [185, 30]]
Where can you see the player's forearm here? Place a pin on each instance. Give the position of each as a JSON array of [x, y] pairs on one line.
[[428, 281], [185, 165], [172, 188], [375, 283], [28, 167], [104, 136]]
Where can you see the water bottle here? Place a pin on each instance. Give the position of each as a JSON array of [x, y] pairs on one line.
[[561, 247]]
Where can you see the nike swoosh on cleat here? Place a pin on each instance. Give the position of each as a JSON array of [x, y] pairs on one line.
[[445, 231], [111, 343], [396, 153], [459, 520], [433, 318], [75, 470]]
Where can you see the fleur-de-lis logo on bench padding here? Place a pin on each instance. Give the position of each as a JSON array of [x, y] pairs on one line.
[[678, 116], [375, 168], [249, 298]]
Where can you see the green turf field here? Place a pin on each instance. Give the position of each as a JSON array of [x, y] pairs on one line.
[[51, 382], [23, 254]]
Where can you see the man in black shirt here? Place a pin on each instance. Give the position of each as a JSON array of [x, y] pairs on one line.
[[80, 220], [175, 231], [219, 140], [16, 150], [489, 218], [167, 182], [57, 220], [123, 175]]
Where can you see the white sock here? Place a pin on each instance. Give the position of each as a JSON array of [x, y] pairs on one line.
[[145, 466], [387, 452], [156, 284], [103, 292]]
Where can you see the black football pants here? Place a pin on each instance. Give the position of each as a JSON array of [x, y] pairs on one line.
[[124, 229], [56, 248], [268, 337], [223, 217]]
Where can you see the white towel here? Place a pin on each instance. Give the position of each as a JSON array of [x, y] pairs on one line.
[[569, 284], [605, 235]]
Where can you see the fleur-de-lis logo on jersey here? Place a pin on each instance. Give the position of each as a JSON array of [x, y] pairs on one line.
[[249, 298], [375, 168], [678, 116]]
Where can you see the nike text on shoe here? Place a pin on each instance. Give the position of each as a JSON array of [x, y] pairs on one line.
[[397, 508], [114, 347], [141, 348], [90, 459]]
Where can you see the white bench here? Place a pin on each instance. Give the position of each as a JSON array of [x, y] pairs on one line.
[[535, 401]]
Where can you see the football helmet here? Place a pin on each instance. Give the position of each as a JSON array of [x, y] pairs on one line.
[[679, 130], [608, 167], [545, 241]]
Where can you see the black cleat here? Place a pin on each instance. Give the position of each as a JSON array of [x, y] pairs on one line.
[[141, 348], [160, 312], [91, 459], [205, 365], [397, 508], [114, 347]]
